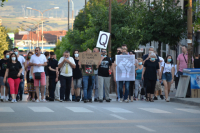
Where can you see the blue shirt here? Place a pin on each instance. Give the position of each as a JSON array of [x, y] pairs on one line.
[[139, 74]]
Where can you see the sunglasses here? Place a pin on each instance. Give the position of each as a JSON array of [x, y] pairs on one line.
[[36, 50], [104, 52]]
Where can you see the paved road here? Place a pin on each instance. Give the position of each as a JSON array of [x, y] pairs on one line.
[[114, 117]]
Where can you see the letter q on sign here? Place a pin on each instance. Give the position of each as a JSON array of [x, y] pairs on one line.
[[103, 40]]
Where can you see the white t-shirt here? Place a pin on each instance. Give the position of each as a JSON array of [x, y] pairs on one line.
[[21, 59], [167, 67], [67, 72], [38, 60]]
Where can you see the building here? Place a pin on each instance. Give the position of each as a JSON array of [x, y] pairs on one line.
[[27, 41]]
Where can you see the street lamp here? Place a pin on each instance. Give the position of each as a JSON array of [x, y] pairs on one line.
[[42, 18]]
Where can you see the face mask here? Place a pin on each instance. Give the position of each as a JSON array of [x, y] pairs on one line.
[[29, 57], [30, 77], [36, 53], [105, 56], [153, 59], [13, 58], [48, 57], [7, 56], [140, 63], [169, 60], [76, 55], [16, 53]]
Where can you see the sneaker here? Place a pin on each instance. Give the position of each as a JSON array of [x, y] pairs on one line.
[[95, 100], [117, 99], [108, 100], [15, 100], [29, 98], [121, 100], [162, 97], [2, 100], [68, 100], [90, 100], [37, 101], [127, 101], [101, 101], [33, 99], [12, 101], [155, 98], [85, 101], [61, 100], [43, 100], [57, 99]]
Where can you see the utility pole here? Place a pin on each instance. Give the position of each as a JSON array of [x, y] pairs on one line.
[[189, 36], [109, 45], [68, 15]]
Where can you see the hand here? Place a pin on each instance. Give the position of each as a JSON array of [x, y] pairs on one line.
[[172, 81], [79, 63], [142, 78], [4, 80], [115, 79], [18, 75], [56, 80], [66, 60], [21, 80], [39, 65], [160, 80], [102, 57]]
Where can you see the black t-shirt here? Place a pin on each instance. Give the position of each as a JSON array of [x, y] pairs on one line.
[[14, 69], [77, 74], [103, 69], [53, 64], [196, 63], [151, 70], [3, 65]]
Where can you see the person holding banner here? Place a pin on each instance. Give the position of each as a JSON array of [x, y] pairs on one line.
[[150, 71], [103, 76]]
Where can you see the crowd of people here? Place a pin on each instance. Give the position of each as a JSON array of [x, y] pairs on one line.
[[57, 80]]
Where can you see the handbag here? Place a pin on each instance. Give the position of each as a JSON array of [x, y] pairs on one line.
[[37, 75]]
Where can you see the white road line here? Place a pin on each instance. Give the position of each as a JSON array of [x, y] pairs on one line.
[[118, 110], [6, 109], [145, 128], [154, 110], [79, 110], [189, 110], [117, 116], [41, 109]]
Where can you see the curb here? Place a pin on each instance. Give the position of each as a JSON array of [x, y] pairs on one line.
[[177, 100]]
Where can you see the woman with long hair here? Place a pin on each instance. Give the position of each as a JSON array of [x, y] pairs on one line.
[[29, 78], [167, 75], [13, 73]]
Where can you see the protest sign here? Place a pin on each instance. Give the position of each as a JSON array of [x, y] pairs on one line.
[[125, 69], [89, 58], [103, 40]]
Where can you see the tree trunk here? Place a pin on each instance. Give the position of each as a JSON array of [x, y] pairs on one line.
[[159, 48]]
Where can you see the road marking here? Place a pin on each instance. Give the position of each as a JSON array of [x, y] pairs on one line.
[[154, 110], [145, 128], [189, 110], [41, 109], [79, 109], [118, 110], [6, 109], [117, 116]]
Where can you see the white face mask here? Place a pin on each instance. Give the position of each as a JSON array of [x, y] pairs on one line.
[[13, 58], [76, 55]]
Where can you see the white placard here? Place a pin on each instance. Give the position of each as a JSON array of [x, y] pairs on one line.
[[103, 40], [189, 40], [125, 69]]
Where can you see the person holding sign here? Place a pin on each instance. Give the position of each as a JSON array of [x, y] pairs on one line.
[[66, 63], [88, 79], [103, 76]]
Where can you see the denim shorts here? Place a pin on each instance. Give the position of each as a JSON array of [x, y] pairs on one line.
[[167, 77]]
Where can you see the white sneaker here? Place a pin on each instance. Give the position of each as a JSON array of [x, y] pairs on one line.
[[121, 100], [12, 101], [15, 100], [6, 99], [37, 101], [33, 99], [43, 100], [127, 101]]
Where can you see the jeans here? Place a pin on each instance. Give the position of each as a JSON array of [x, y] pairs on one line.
[[131, 88], [137, 83], [87, 88], [52, 87], [21, 89], [65, 87], [118, 94], [57, 91], [126, 89]]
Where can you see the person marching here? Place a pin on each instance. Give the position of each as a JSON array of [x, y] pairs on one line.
[[167, 75]]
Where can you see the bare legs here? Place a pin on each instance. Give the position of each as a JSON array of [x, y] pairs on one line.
[[167, 86]]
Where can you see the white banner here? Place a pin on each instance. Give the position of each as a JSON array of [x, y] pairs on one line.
[[125, 69], [103, 40]]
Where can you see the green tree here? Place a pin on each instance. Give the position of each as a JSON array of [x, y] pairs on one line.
[[2, 1], [4, 41]]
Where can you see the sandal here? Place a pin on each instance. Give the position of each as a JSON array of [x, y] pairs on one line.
[[151, 100], [147, 99]]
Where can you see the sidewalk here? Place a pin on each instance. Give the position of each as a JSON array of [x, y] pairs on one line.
[[190, 101]]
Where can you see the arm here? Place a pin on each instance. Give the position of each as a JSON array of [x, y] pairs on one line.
[[25, 65], [6, 75], [158, 71], [173, 70], [72, 65], [51, 69], [45, 64], [100, 62], [144, 69], [114, 71], [161, 73], [178, 63]]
